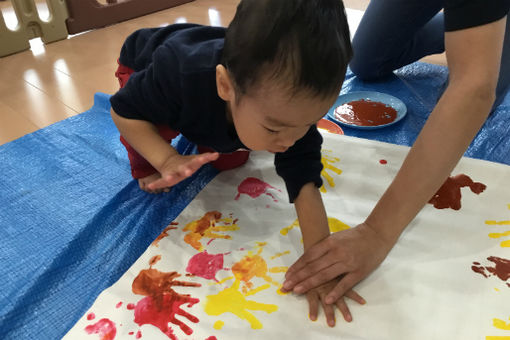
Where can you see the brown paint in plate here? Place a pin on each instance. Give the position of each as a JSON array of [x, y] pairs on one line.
[[365, 112]]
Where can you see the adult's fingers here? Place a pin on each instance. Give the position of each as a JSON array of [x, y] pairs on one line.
[[345, 284], [312, 268], [315, 252], [320, 277]]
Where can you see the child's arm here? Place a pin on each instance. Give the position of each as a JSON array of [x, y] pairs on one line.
[[314, 226], [312, 216], [143, 136]]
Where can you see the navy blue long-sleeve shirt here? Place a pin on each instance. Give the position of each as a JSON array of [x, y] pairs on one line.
[[175, 84]]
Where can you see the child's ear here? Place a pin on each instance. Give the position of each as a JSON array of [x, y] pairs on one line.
[[224, 84]]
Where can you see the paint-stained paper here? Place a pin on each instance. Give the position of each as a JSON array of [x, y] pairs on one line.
[[215, 272]]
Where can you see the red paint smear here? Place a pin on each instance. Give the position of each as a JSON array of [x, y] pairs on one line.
[[91, 316], [152, 282], [205, 265], [208, 243], [449, 195], [118, 305], [131, 333], [501, 269], [138, 335], [130, 306], [174, 223], [154, 260], [104, 327], [365, 112], [163, 311], [211, 338], [383, 161], [162, 304], [163, 234], [254, 187]]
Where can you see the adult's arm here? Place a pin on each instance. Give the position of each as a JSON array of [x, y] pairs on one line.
[[474, 56]]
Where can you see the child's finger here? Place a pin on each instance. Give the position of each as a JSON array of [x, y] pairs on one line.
[[194, 163], [342, 307], [185, 170], [204, 158], [313, 305], [356, 297], [167, 181], [330, 313]]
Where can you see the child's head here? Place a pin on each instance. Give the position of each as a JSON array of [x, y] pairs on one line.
[[283, 64]]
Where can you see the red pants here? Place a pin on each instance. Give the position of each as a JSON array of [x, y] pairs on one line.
[[141, 168]]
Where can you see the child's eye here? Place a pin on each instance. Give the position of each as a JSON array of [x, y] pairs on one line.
[[270, 130]]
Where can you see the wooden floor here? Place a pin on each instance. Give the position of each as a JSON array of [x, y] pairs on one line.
[[52, 82]]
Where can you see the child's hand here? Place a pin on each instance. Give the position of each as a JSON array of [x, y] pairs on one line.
[[145, 181], [177, 168], [319, 294]]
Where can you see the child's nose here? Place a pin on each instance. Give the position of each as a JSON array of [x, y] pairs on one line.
[[287, 140]]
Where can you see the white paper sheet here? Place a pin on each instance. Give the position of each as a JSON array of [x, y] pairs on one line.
[[425, 289]]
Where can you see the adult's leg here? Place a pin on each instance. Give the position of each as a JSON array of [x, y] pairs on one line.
[[504, 71], [394, 33]]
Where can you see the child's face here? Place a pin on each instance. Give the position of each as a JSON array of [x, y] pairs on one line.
[[269, 119]]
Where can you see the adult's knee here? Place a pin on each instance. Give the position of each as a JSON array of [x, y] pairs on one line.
[[366, 68]]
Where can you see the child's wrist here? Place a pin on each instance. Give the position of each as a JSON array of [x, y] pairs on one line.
[[164, 158]]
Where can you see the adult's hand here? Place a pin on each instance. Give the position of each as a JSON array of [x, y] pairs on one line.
[[352, 254]]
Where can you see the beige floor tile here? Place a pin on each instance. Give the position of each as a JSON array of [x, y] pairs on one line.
[[36, 106], [13, 125]]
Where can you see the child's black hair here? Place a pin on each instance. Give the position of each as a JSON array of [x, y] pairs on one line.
[[304, 43]]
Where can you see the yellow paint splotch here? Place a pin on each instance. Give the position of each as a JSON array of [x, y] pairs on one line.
[[506, 243], [335, 225], [251, 266], [327, 163], [280, 254], [286, 230], [500, 324], [218, 324], [490, 222], [275, 270], [231, 300], [207, 227]]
